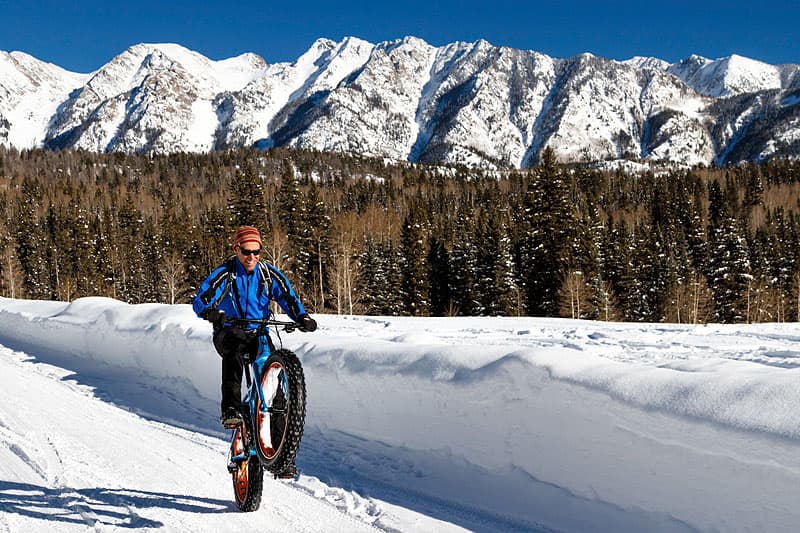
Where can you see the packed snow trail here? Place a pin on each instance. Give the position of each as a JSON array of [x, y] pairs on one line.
[[70, 462]]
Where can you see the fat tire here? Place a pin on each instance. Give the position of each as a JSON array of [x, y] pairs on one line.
[[247, 491], [296, 412]]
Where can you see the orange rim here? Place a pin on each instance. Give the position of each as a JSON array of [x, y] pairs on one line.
[[240, 474]]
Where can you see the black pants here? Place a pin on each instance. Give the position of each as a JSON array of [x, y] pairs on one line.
[[233, 344]]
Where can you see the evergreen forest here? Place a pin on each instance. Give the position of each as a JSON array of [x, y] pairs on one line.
[[359, 235]]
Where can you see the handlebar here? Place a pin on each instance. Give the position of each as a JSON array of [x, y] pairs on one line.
[[264, 323]]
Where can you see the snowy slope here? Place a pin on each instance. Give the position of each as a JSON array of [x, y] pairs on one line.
[[727, 76], [30, 93], [413, 424]]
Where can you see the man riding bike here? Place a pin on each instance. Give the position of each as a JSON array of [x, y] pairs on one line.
[[243, 287]]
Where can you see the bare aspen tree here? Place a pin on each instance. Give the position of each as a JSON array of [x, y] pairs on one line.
[[66, 289], [9, 274], [606, 303], [277, 248], [171, 269], [574, 295], [797, 295], [700, 300], [345, 271]]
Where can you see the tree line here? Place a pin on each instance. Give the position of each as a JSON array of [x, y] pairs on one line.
[[359, 235]]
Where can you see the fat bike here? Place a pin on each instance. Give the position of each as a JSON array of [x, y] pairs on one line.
[[273, 412]]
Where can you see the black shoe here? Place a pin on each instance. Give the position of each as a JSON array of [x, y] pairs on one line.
[[231, 418], [290, 472]]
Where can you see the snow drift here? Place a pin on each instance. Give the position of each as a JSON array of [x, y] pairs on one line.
[[492, 423]]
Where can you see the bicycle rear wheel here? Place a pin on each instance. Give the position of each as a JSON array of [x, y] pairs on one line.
[[280, 426], [247, 474]]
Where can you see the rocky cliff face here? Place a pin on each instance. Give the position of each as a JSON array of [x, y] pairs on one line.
[[470, 103]]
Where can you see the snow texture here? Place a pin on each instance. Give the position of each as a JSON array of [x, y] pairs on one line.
[[108, 422]]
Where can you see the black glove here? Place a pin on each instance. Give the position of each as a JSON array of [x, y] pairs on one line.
[[306, 323], [212, 315]]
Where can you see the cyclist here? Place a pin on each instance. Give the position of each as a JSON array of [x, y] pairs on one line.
[[242, 287]]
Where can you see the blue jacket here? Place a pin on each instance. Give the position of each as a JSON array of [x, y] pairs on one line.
[[239, 294]]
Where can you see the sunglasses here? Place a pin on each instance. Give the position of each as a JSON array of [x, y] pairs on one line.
[[257, 251]]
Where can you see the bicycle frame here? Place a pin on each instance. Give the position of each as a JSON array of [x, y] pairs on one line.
[[255, 404]]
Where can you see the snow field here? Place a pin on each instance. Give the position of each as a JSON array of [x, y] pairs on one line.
[[481, 423]]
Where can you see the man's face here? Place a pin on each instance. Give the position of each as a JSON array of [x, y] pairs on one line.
[[248, 253]]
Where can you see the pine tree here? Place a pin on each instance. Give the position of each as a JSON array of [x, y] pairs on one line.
[[754, 192], [369, 277], [32, 246], [215, 233], [176, 235], [647, 277], [549, 221], [380, 279], [152, 259], [97, 262], [616, 245], [585, 287], [75, 251], [127, 252], [293, 219], [495, 287], [728, 264], [694, 228], [464, 269], [246, 204], [315, 248], [439, 277], [415, 284], [290, 202]]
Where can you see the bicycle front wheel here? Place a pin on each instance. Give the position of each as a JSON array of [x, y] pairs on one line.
[[280, 423], [247, 474]]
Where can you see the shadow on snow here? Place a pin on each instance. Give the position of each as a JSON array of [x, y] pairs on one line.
[[93, 506]]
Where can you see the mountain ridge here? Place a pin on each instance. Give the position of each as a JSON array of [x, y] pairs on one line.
[[462, 103]]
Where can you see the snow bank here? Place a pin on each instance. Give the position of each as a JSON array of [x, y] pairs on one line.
[[545, 423]]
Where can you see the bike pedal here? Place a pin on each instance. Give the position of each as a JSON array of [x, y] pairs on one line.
[[232, 467], [232, 423]]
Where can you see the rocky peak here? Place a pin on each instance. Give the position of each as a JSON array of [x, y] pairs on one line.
[[471, 103]]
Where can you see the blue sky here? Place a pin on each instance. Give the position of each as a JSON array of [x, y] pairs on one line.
[[83, 35]]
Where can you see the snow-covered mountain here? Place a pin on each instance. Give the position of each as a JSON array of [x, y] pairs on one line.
[[30, 94], [471, 103], [728, 76]]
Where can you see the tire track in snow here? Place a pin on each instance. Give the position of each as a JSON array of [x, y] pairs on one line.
[[81, 452]]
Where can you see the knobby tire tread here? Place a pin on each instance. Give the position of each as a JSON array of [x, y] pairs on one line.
[[296, 411], [255, 480]]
